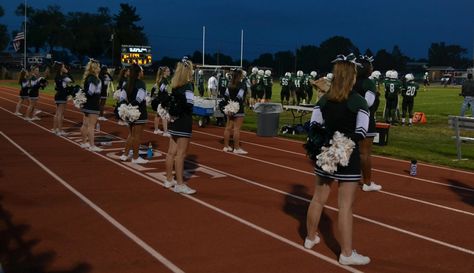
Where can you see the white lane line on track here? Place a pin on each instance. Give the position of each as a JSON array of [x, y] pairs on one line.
[[310, 173], [216, 209], [155, 254], [416, 235]]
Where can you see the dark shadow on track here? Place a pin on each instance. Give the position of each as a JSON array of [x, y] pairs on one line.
[[465, 195], [298, 209], [16, 252]]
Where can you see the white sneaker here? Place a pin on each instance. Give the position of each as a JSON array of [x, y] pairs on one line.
[[28, 119], [169, 184], [124, 157], [102, 118], [85, 145], [371, 187], [95, 149], [61, 133], [54, 131], [35, 118], [240, 151], [18, 114], [354, 259], [166, 134], [309, 244], [37, 112], [183, 188], [121, 122], [139, 160], [157, 132], [227, 149]]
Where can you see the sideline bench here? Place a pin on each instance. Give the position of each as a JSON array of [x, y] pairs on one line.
[[298, 112], [459, 123]]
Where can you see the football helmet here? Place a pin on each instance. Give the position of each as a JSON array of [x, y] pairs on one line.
[[200, 72], [299, 73], [313, 73], [376, 74], [244, 73], [288, 74], [268, 72], [329, 76], [261, 72], [394, 74], [255, 70], [409, 77]]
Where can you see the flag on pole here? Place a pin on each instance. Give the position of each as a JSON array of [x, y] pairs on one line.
[[20, 36]]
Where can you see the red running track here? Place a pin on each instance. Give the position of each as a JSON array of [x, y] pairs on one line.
[[65, 209]]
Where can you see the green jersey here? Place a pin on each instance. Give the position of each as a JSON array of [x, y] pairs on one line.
[[285, 81], [410, 89], [392, 88]]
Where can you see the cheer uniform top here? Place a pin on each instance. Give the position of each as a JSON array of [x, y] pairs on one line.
[[237, 94], [92, 88], [24, 88], [61, 83], [368, 90], [161, 91], [105, 80], [138, 98], [350, 117], [181, 107], [35, 85]]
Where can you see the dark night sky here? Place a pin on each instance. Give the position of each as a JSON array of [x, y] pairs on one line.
[[174, 27]]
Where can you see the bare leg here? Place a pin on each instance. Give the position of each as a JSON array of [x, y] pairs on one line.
[[320, 197], [170, 158], [157, 122], [228, 128], [137, 134], [128, 144], [365, 160], [237, 124], [346, 198], [102, 106], [182, 144], [165, 125], [61, 108], [90, 128], [84, 128], [18, 105]]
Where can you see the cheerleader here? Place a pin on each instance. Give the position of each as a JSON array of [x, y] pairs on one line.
[[122, 81], [36, 82], [180, 108], [235, 92], [105, 79], [61, 81], [135, 94], [91, 108], [343, 110], [161, 90], [24, 83], [367, 89]]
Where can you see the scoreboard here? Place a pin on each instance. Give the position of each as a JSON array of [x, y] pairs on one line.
[[131, 54]]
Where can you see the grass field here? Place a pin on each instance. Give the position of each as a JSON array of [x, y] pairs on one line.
[[430, 142]]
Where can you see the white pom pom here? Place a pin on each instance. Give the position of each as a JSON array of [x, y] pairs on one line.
[[338, 153], [231, 108], [163, 113], [79, 99], [128, 112]]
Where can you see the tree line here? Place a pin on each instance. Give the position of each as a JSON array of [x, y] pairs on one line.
[[58, 33]]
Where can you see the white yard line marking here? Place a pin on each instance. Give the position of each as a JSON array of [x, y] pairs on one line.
[[416, 235], [155, 254]]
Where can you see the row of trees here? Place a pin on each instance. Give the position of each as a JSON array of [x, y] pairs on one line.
[[53, 31]]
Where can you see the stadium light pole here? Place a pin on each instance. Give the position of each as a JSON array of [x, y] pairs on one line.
[[24, 42], [241, 47], [203, 43]]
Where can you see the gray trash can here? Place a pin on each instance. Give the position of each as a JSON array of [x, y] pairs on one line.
[[268, 118]]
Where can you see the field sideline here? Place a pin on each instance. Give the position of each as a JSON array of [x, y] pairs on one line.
[[431, 142]]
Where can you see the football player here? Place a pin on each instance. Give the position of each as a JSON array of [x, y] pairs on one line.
[[298, 85], [392, 89], [426, 81], [285, 88], [253, 86], [409, 93], [260, 87], [268, 85], [200, 83]]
